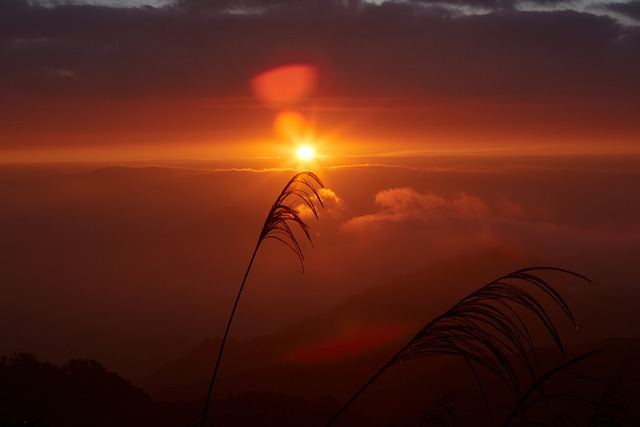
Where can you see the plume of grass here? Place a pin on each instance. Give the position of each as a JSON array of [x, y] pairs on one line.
[[486, 330], [612, 407], [278, 226], [553, 385], [441, 413], [610, 410]]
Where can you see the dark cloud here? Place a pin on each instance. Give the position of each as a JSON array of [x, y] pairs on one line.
[[548, 2], [631, 9], [264, 6], [197, 46], [487, 4]]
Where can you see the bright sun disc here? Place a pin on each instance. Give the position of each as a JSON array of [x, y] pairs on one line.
[[305, 152]]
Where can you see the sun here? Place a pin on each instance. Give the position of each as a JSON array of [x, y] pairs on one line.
[[305, 152]]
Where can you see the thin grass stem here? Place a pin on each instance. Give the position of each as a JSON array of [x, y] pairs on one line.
[[205, 411], [276, 225], [390, 363]]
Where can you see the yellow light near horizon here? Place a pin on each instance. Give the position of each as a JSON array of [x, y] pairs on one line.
[[305, 152]]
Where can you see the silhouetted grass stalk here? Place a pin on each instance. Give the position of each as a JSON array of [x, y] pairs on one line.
[[562, 383], [276, 226], [485, 329], [441, 413], [544, 388], [612, 407]]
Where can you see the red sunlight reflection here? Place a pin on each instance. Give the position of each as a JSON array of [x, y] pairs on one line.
[[348, 345], [286, 85]]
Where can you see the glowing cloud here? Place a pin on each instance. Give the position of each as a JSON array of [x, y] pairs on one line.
[[333, 204], [401, 204]]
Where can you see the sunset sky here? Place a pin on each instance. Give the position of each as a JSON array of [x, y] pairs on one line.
[[124, 80], [143, 142]]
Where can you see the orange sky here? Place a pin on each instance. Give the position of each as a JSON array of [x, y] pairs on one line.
[[188, 79], [120, 130]]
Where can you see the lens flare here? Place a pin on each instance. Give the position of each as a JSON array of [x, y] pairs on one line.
[[289, 125], [286, 85]]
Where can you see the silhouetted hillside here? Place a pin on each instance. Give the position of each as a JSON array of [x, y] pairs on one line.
[[335, 353], [368, 325], [82, 393]]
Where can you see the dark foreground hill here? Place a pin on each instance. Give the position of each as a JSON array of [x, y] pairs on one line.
[[79, 393], [82, 393]]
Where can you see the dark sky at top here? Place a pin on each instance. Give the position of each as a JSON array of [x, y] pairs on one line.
[[415, 48]]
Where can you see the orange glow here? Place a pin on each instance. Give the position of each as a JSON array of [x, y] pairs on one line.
[[109, 129], [285, 85], [350, 344], [289, 125]]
